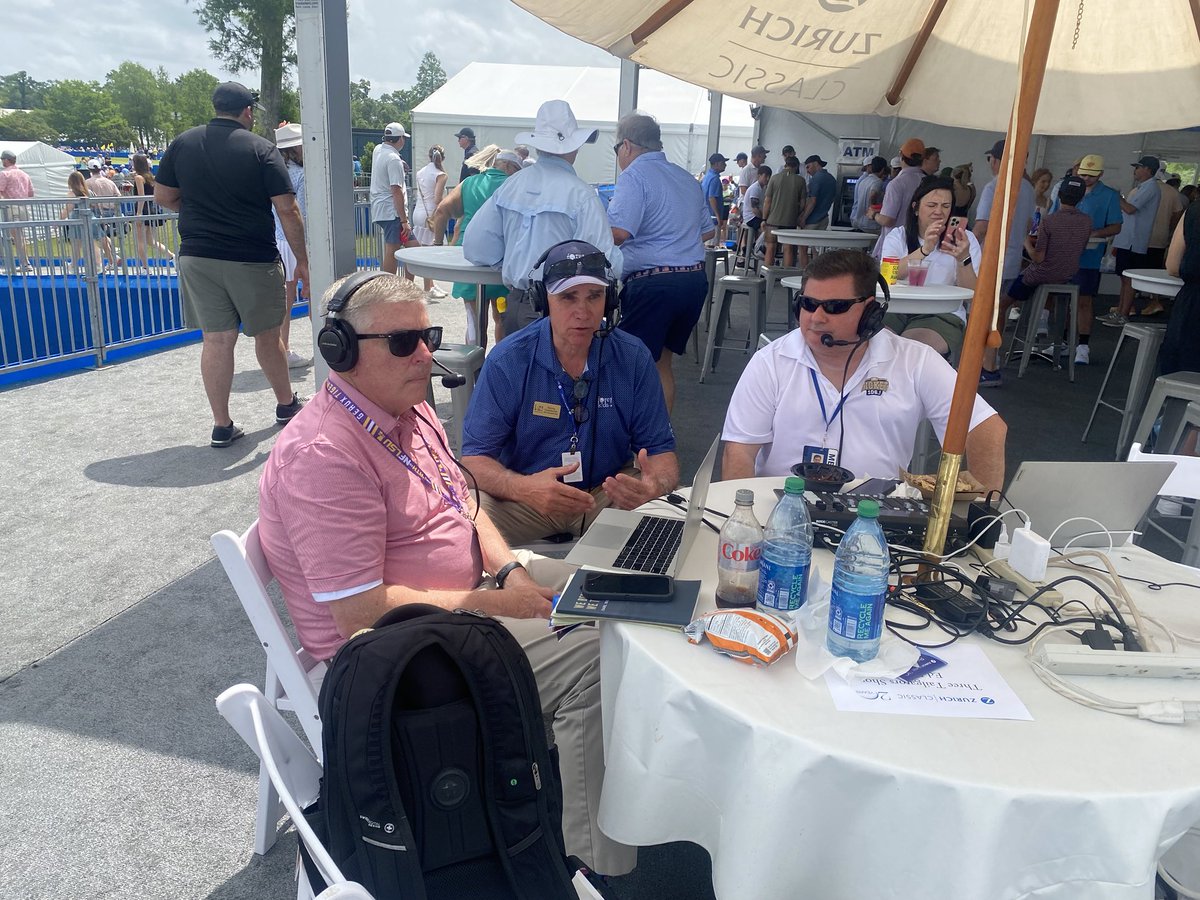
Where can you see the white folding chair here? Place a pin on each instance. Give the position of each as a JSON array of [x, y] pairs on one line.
[[293, 677], [296, 775]]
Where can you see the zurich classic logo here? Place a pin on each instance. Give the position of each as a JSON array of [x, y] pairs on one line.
[[987, 701], [841, 6]]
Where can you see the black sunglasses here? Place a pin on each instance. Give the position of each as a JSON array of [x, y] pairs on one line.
[[593, 264], [617, 146], [831, 307], [403, 343], [579, 391]]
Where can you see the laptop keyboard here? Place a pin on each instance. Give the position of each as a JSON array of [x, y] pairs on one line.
[[652, 545]]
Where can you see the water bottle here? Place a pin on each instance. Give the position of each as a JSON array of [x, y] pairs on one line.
[[739, 549], [860, 580], [787, 551]]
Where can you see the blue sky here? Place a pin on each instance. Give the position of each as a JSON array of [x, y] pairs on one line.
[[50, 40]]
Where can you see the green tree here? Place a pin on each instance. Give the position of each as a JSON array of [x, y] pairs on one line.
[[137, 93], [19, 91], [430, 76], [191, 100], [27, 125], [248, 34], [82, 111]]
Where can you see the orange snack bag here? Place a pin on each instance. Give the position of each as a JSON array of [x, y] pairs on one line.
[[747, 635]]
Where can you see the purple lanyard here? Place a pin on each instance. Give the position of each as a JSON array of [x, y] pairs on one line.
[[449, 496]]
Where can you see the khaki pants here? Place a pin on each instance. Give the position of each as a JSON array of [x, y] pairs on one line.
[[568, 678], [522, 524]]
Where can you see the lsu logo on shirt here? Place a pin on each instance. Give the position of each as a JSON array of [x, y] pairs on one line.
[[874, 387]]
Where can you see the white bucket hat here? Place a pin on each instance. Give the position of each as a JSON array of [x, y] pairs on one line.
[[556, 131], [288, 135]]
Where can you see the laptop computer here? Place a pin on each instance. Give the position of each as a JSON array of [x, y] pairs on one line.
[[1116, 494], [635, 541]]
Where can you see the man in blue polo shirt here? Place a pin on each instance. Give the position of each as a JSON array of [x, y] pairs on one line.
[[714, 193], [564, 409], [660, 222]]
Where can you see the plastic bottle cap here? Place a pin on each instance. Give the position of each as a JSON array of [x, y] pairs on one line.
[[868, 509], [744, 496], [793, 485]]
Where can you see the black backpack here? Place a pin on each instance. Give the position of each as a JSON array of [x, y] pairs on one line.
[[439, 781]]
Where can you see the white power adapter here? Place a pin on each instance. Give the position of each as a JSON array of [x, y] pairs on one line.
[[1030, 553]]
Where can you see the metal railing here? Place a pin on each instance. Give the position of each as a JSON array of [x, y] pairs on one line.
[[82, 279]]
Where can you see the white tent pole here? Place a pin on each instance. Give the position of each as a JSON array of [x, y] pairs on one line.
[[627, 98], [714, 123], [324, 74]]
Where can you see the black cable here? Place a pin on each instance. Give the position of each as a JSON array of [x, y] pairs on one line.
[[862, 342], [457, 462]]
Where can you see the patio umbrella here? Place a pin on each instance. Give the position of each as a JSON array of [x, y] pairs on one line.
[[1083, 67], [1115, 66]]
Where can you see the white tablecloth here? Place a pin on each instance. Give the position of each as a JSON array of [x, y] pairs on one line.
[[793, 798]]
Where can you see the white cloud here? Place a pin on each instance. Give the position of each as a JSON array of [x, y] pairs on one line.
[[387, 39]]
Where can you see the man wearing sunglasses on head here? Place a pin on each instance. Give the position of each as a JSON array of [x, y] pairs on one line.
[[362, 508], [564, 408], [840, 390]]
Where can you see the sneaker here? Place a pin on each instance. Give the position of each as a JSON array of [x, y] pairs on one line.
[[224, 435], [296, 361], [1113, 320], [1083, 355], [990, 379], [285, 411], [436, 293]]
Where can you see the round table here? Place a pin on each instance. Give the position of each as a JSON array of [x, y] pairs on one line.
[[447, 263], [803, 237], [928, 299], [1154, 281], [792, 797]]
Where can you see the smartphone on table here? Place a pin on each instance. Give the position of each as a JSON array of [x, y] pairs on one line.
[[638, 586]]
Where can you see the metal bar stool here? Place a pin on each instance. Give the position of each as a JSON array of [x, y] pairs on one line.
[[1031, 311], [1149, 339], [465, 360], [744, 252], [712, 255], [1166, 397], [773, 277], [727, 287]]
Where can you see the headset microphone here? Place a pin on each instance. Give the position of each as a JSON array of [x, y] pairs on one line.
[[451, 379], [828, 341]]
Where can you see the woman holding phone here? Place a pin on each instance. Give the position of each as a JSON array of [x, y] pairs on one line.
[[939, 242]]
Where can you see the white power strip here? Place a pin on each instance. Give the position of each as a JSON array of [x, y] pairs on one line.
[[1075, 659]]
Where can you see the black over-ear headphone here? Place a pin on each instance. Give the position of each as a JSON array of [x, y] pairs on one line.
[[537, 287], [871, 322], [337, 339]]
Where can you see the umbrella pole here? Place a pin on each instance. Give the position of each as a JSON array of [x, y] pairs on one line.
[[979, 323]]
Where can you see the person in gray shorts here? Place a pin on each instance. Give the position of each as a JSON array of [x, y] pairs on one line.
[[224, 180]]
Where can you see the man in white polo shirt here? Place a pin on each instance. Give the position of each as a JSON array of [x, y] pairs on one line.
[[839, 390]]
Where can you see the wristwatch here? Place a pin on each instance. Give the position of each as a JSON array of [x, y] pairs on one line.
[[506, 570], [966, 260]]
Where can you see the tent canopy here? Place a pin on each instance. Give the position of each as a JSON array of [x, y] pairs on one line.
[[499, 100], [46, 167]]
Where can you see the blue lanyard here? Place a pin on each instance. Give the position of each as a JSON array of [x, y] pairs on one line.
[[837, 411], [571, 413], [449, 495]]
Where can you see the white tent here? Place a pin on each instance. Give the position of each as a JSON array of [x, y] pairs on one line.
[[498, 100], [46, 167]]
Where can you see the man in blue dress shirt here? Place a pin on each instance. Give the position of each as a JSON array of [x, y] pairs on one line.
[[565, 409], [822, 191], [537, 208], [660, 222]]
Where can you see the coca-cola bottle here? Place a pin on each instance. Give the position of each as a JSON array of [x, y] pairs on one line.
[[739, 549]]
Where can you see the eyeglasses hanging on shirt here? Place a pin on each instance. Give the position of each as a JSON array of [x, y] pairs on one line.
[[579, 414]]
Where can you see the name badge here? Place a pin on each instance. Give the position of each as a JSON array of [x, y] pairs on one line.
[[546, 410], [570, 459], [827, 455]]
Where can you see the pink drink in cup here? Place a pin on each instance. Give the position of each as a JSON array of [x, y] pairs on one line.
[[917, 272]]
